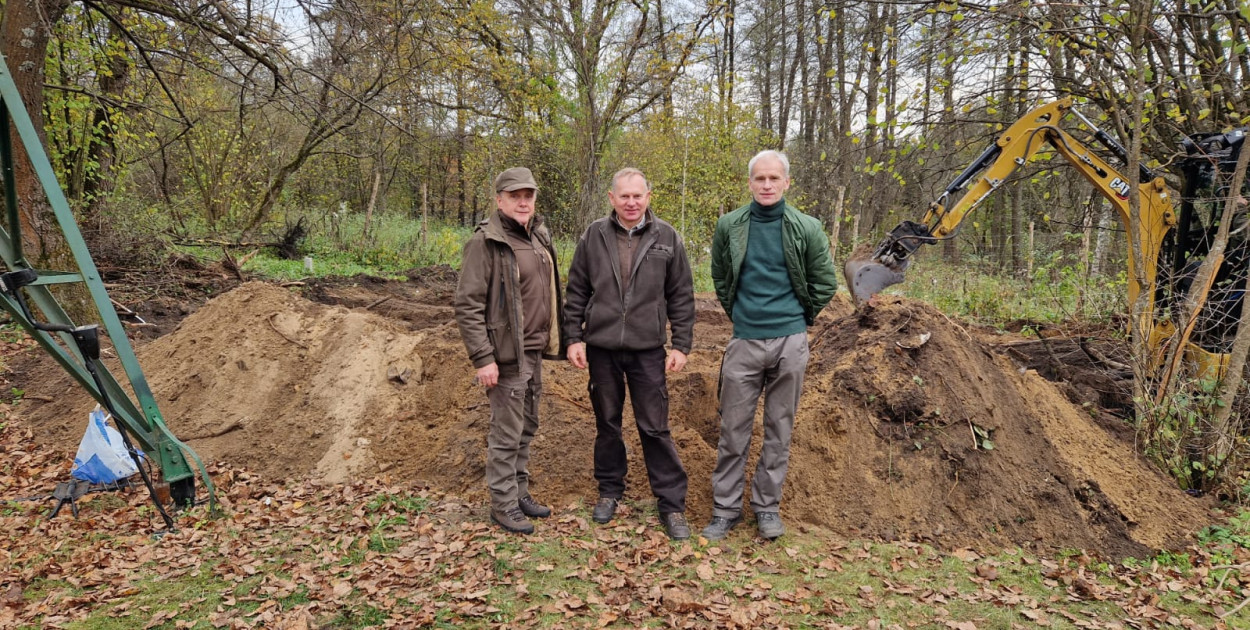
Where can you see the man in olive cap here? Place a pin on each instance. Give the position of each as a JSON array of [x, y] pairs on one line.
[[508, 308]]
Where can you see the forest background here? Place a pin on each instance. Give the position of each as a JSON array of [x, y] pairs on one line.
[[367, 132]]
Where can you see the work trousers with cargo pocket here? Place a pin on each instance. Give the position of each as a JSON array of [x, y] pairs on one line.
[[774, 367], [643, 372], [513, 423]]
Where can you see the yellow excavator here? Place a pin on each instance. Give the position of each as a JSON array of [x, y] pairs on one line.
[[1171, 246]]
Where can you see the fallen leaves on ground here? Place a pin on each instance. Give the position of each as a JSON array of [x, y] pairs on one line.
[[303, 554]]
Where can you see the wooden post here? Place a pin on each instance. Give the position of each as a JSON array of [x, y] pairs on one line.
[[1032, 224], [373, 200], [425, 215]]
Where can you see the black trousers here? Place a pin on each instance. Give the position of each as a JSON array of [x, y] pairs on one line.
[[643, 371]]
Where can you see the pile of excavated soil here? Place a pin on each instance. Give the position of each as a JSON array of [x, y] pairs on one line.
[[909, 428]]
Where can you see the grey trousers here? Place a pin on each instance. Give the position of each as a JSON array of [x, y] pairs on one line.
[[773, 367], [513, 423]]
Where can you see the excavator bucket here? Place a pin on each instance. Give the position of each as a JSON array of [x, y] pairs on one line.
[[866, 277], [871, 268]]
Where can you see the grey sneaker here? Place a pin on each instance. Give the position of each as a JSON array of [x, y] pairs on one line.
[[604, 510], [719, 527], [532, 508], [512, 520], [675, 525], [770, 525]]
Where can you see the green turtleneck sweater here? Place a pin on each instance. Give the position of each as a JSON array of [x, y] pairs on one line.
[[766, 306]]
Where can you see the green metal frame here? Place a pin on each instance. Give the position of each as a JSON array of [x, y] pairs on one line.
[[144, 419]]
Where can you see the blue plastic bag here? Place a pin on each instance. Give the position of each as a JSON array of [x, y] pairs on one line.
[[102, 456]]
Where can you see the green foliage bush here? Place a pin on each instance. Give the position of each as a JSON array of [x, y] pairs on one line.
[[1174, 433]]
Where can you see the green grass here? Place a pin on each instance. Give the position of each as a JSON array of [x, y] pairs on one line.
[[162, 595], [395, 246], [974, 289]]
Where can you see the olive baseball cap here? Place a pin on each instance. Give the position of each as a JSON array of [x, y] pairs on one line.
[[515, 179]]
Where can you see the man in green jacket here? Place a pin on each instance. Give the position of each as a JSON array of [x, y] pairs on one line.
[[508, 308], [773, 274]]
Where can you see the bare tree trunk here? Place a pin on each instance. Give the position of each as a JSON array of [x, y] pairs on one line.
[[786, 107], [891, 76], [730, 47], [1223, 436], [807, 105], [1138, 17], [1088, 223], [872, 91], [1015, 109], [766, 69], [666, 90], [590, 193], [103, 151], [871, 213], [835, 218], [24, 34], [1102, 244], [950, 247]]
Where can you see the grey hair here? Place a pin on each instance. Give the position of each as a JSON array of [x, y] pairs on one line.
[[629, 171], [777, 155]]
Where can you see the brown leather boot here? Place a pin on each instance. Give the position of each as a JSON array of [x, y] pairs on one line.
[[675, 525], [604, 510], [512, 520], [532, 508]]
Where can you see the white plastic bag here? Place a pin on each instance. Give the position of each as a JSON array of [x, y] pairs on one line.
[[102, 456]]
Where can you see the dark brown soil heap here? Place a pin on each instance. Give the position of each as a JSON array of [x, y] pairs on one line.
[[886, 443]]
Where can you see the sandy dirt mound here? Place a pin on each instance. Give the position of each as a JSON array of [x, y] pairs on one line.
[[910, 427], [890, 440]]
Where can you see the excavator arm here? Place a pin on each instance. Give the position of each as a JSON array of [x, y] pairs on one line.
[[1013, 149]]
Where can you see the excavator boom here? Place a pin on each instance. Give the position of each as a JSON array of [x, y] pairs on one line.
[[1208, 161], [885, 265]]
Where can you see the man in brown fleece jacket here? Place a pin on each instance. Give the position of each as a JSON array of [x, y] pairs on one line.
[[630, 281]]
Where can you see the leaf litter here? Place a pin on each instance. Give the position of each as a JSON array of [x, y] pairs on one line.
[[399, 536]]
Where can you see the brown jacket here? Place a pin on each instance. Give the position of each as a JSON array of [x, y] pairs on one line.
[[488, 297], [602, 313]]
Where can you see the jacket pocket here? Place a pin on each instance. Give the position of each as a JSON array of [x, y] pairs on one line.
[[504, 342], [659, 253]]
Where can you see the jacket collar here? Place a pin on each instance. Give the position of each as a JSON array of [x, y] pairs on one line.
[[494, 229], [648, 218], [743, 214]]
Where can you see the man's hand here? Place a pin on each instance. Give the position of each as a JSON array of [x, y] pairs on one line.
[[488, 375], [676, 361], [577, 355]]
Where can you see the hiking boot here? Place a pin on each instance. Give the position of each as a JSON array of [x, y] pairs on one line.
[[512, 520], [675, 525], [604, 510], [719, 527], [769, 524], [532, 508]]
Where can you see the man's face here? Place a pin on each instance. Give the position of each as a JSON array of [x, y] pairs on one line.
[[517, 205], [630, 198], [769, 181]]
